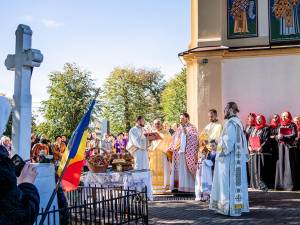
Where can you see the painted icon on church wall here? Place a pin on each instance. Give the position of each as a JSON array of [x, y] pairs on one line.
[[284, 20], [242, 18]]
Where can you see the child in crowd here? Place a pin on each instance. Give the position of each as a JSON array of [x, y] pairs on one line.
[[213, 152], [203, 181]]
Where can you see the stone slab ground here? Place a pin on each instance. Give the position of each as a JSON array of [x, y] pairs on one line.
[[265, 208]]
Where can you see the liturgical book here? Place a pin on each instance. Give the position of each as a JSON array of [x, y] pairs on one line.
[[254, 143], [285, 131], [153, 136]]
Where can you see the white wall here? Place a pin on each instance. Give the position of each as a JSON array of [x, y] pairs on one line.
[[264, 85]]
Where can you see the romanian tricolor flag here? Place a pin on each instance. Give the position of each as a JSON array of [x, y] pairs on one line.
[[73, 158]]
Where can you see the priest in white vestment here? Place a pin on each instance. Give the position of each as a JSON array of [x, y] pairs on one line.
[[229, 194], [214, 128], [137, 145], [185, 146]]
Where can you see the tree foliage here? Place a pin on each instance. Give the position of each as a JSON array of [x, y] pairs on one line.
[[8, 131], [174, 97], [129, 92], [70, 93]]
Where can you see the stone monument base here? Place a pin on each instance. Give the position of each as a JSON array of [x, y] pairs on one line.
[[45, 183]]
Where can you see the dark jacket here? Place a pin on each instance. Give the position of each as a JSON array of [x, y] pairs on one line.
[[19, 205]]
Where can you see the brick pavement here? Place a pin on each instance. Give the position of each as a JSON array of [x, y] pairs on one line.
[[265, 208]]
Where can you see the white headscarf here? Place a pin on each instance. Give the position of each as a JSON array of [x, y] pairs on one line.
[[5, 109]]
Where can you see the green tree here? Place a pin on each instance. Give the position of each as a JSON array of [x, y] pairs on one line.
[[129, 92], [173, 97], [70, 93], [8, 131]]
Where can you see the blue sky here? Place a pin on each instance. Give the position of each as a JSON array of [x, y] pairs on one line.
[[96, 34]]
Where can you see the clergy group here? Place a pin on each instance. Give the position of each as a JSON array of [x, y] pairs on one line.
[[212, 164]]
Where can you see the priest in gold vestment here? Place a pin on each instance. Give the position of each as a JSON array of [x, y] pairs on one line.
[[159, 163], [214, 129]]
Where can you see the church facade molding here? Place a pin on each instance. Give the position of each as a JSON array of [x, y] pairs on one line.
[[262, 51]]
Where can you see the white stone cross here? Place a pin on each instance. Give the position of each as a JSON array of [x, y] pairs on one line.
[[22, 62]]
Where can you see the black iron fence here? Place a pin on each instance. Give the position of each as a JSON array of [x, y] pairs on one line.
[[101, 205]]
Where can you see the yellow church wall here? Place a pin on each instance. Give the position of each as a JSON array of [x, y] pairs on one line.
[[203, 89], [209, 25], [244, 77], [194, 24], [192, 90], [263, 27]]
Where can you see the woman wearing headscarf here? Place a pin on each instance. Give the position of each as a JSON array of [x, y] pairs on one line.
[[274, 127], [287, 174], [260, 165], [250, 124], [297, 122], [248, 130]]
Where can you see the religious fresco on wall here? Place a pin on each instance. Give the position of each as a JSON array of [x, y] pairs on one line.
[[284, 20], [242, 18]]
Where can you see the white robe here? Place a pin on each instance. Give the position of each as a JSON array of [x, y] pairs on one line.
[[137, 139], [203, 179], [230, 189], [166, 172], [186, 182]]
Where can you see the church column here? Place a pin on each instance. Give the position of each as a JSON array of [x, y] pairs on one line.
[[192, 90], [194, 24], [209, 88], [204, 88]]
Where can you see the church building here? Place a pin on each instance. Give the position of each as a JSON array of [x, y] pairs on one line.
[[245, 51]]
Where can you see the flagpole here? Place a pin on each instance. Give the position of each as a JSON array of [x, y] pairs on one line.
[[59, 181]]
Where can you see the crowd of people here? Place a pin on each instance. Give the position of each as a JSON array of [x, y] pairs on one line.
[[222, 161], [191, 162], [274, 152]]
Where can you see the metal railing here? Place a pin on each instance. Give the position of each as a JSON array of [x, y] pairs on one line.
[[99, 205]]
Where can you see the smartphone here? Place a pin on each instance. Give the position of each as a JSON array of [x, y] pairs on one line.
[[19, 164]]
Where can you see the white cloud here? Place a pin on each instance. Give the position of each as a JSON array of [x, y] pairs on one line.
[[28, 18], [51, 23]]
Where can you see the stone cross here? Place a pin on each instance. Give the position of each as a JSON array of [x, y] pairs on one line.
[[22, 62]]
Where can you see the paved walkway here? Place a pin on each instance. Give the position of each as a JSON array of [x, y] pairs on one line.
[[265, 208]]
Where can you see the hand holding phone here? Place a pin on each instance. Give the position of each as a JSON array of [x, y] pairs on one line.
[[19, 164], [28, 174]]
